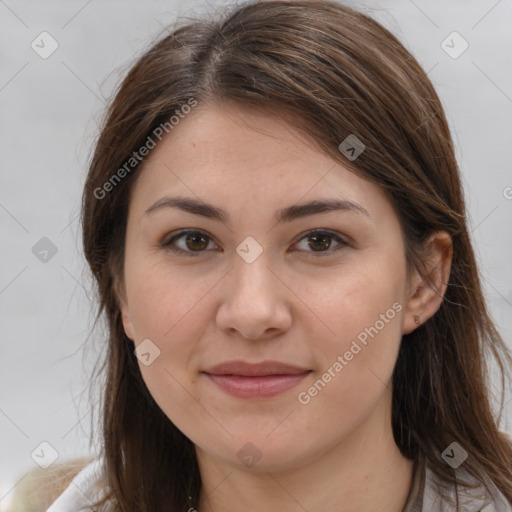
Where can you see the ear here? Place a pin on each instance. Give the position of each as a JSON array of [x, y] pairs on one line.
[[120, 292], [428, 286], [127, 323]]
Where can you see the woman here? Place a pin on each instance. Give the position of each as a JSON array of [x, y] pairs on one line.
[[275, 222]]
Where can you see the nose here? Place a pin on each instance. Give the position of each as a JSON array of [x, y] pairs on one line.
[[255, 301]]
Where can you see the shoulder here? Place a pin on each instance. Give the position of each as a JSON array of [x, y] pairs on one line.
[[85, 488], [470, 500]]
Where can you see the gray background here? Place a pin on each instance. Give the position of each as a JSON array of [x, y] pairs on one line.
[[49, 114]]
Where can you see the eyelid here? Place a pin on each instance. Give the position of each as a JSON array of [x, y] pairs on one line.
[[169, 240]]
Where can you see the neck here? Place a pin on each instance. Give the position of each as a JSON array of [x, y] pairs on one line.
[[364, 472]]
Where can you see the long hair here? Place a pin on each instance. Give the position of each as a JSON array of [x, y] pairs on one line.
[[331, 72]]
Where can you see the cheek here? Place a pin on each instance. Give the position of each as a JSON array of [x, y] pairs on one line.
[[357, 333], [162, 301], [170, 311], [346, 302], [353, 380]]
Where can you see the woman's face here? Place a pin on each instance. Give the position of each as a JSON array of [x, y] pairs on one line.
[[258, 286]]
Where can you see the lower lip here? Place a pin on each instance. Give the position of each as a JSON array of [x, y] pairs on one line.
[[257, 387]]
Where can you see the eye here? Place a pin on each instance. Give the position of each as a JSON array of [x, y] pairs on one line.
[[195, 242], [320, 240]]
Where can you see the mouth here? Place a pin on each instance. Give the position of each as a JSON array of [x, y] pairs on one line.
[[260, 380]]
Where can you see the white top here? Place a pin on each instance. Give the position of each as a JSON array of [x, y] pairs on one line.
[[84, 489], [423, 497]]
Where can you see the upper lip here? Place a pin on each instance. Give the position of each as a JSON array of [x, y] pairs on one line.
[[255, 369]]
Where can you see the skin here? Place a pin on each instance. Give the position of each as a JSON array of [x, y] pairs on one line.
[[291, 304]]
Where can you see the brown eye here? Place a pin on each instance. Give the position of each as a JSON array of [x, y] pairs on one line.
[[321, 242], [196, 241], [190, 242]]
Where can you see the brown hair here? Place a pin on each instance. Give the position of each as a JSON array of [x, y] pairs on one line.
[[332, 72]]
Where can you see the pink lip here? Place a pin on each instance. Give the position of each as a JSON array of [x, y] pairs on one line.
[[250, 380]]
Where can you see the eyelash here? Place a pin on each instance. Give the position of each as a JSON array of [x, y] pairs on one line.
[[168, 245]]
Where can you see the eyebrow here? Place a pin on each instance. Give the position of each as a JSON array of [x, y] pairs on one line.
[[288, 214]]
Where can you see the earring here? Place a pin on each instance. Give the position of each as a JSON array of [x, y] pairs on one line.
[[416, 319]]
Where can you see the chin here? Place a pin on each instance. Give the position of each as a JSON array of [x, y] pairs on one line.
[[259, 453]]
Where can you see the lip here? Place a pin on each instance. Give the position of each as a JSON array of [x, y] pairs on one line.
[[256, 380]]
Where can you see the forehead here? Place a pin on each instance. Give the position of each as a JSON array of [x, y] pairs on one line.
[[239, 156]]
